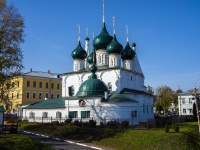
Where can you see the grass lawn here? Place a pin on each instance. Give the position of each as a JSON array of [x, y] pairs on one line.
[[20, 142], [128, 139]]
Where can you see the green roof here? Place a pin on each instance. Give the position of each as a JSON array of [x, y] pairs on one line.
[[132, 91], [79, 52], [117, 98], [114, 47], [2, 109], [103, 39], [128, 53], [47, 104]]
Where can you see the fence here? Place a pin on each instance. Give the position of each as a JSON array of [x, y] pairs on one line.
[[9, 129]]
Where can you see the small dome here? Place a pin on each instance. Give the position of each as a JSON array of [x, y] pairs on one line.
[[114, 46], [102, 40], [90, 58], [79, 52], [133, 45], [87, 39], [128, 52], [92, 87]]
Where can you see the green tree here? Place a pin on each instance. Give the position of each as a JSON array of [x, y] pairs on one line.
[[194, 111], [164, 97], [11, 36]]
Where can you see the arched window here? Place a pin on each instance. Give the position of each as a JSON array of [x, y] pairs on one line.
[[71, 90], [31, 115], [109, 87], [44, 115], [58, 114]]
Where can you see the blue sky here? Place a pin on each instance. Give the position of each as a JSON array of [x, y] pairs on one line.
[[167, 34]]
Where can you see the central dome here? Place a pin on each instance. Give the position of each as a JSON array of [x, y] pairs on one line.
[[102, 40], [92, 87]]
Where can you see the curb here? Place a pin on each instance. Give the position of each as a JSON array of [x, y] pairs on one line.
[[59, 139]]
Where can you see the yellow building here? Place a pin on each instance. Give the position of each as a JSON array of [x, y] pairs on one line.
[[34, 86]]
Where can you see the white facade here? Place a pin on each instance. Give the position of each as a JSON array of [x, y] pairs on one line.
[[185, 104]]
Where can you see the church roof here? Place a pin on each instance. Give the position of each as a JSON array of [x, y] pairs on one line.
[[114, 47], [47, 104], [103, 39], [132, 91], [128, 53], [79, 52], [116, 98]]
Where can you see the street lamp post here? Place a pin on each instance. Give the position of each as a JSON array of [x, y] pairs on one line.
[[197, 103]]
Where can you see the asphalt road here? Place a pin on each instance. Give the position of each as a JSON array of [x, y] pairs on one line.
[[58, 143]]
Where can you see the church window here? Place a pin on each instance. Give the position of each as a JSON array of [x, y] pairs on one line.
[[58, 114], [71, 90], [31, 115], [44, 115], [143, 108], [112, 63], [99, 59], [109, 87], [73, 114], [85, 114], [134, 113]]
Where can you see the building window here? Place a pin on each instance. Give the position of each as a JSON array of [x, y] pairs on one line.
[[58, 95], [109, 87], [34, 95], [99, 59], [85, 114], [184, 110], [134, 113], [190, 110], [47, 85], [58, 86], [13, 84], [28, 84], [27, 94], [31, 115], [17, 83], [44, 115], [52, 85], [71, 90], [183, 100], [147, 110], [34, 84], [190, 100], [40, 95], [73, 114], [17, 94], [46, 95], [40, 85], [143, 108], [58, 114], [52, 95]]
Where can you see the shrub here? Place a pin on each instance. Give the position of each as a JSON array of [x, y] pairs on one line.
[[68, 121], [112, 124], [125, 124], [176, 128], [92, 123], [55, 122], [101, 125], [173, 126], [166, 128], [77, 123]]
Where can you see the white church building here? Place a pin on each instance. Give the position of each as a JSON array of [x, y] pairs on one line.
[[105, 84]]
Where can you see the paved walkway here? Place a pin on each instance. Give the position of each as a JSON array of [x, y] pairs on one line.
[[58, 143]]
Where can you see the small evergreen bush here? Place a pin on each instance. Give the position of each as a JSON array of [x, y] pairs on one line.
[[176, 128], [173, 125], [112, 124], [68, 121], [166, 128], [125, 124], [92, 123]]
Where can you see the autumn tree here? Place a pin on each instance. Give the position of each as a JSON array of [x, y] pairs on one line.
[[11, 36], [164, 97]]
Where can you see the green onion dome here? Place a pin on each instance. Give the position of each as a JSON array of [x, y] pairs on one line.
[[128, 53], [92, 87], [90, 58], [114, 46], [79, 52], [133, 45], [102, 40]]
